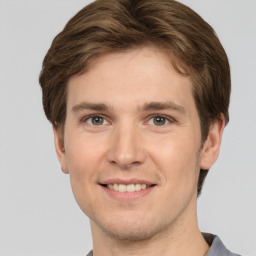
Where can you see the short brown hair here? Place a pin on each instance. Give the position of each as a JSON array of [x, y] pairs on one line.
[[115, 25]]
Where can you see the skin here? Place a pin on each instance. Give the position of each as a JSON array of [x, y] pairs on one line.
[[129, 143]]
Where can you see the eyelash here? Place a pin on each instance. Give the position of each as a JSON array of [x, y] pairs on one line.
[[85, 119], [169, 120]]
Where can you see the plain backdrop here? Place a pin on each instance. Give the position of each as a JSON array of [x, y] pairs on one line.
[[38, 214]]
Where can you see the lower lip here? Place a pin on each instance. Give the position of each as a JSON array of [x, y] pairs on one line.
[[127, 196]]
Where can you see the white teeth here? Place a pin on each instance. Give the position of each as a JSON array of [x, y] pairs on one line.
[[137, 187], [143, 186], [127, 188], [130, 188], [115, 187], [122, 188]]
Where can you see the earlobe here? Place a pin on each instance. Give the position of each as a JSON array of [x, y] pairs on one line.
[[211, 148], [60, 150]]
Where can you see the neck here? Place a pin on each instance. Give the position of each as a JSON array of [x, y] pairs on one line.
[[181, 238]]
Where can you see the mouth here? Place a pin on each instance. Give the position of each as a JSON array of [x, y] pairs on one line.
[[119, 187], [127, 190]]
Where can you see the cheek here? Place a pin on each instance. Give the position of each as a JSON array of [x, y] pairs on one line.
[[83, 157], [178, 161], [179, 176], [82, 152]]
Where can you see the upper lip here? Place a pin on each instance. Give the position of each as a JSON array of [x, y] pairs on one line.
[[126, 181]]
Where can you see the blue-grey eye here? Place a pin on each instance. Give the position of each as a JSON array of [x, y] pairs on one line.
[[96, 120], [158, 120]]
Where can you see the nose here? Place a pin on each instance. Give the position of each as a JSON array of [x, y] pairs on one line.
[[126, 147]]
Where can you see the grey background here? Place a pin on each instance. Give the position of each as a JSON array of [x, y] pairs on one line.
[[38, 214]]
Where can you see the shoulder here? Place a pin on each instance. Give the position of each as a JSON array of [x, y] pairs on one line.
[[217, 248], [90, 254]]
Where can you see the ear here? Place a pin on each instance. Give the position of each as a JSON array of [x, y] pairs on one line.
[[60, 151], [211, 148]]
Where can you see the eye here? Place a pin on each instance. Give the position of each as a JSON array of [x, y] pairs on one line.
[[95, 120], [158, 120]]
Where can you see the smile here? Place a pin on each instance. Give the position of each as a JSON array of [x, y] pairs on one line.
[[127, 191], [128, 187]]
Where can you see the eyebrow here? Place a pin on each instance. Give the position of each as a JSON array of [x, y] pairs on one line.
[[169, 105], [91, 106], [151, 106]]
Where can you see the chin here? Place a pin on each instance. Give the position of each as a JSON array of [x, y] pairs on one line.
[[131, 234], [136, 231]]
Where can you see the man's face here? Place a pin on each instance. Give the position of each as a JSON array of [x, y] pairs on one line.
[[132, 120]]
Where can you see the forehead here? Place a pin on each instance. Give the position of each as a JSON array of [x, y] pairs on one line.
[[134, 76]]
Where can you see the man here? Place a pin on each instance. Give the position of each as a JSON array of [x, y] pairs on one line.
[[138, 94]]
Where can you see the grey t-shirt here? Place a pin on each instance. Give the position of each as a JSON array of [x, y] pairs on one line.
[[217, 248]]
